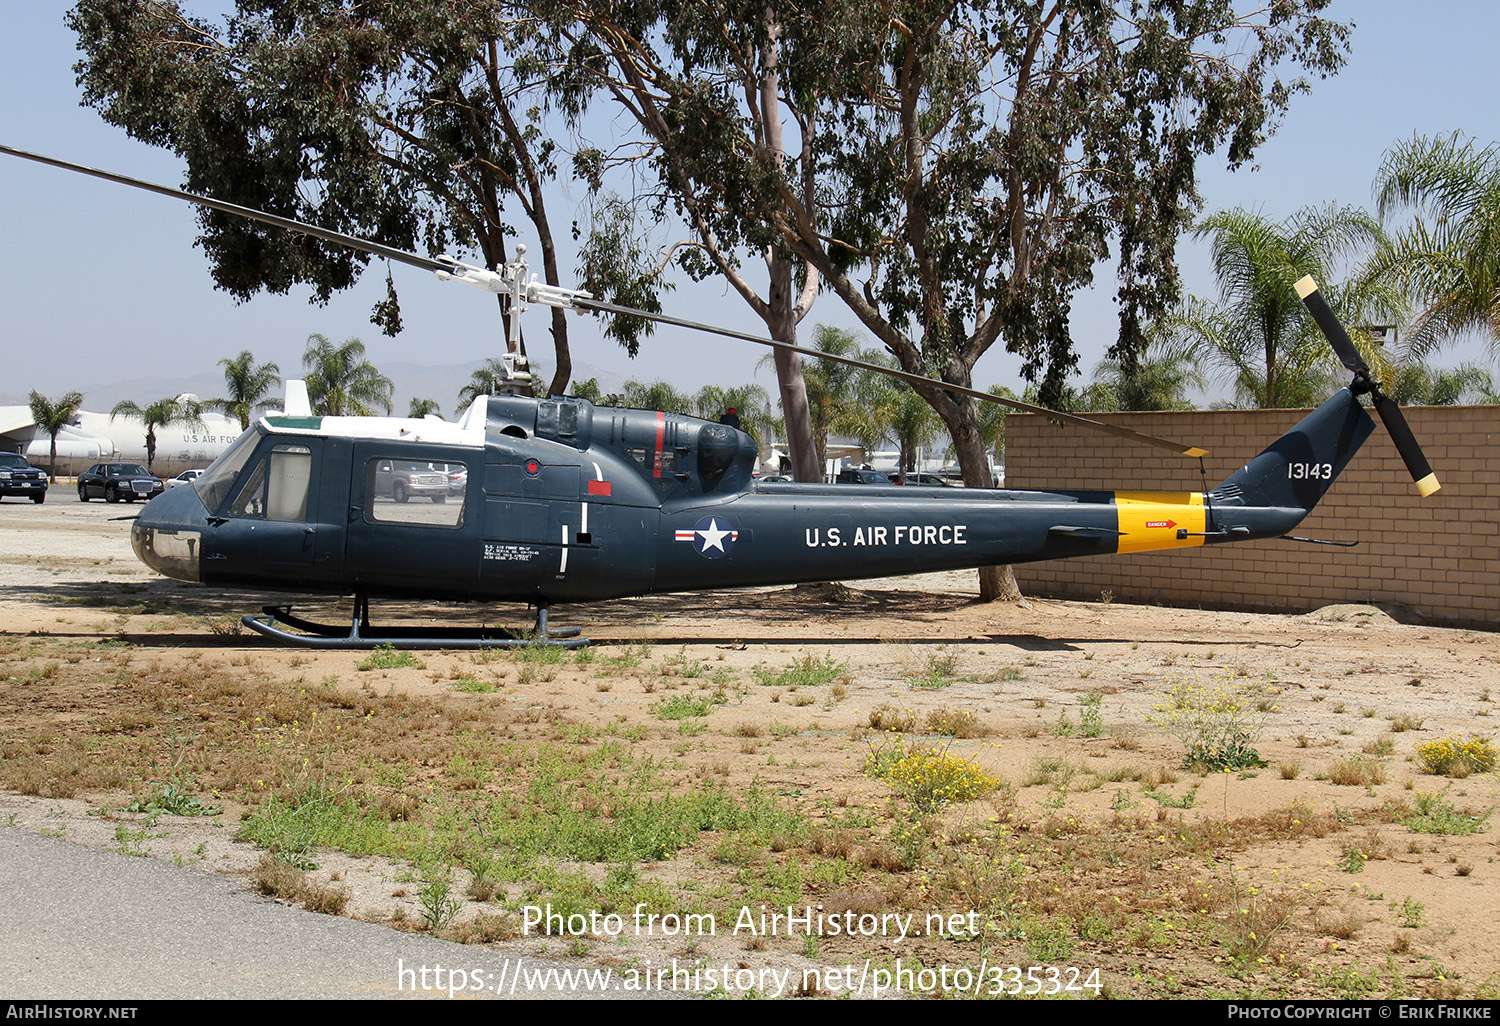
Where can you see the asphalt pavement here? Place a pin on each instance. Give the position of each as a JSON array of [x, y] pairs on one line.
[[88, 923]]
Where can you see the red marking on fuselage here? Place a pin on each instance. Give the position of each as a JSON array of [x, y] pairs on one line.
[[661, 432]]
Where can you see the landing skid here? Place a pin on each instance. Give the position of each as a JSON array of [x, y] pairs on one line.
[[360, 634]]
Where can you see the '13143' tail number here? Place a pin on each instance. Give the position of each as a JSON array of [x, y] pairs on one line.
[[1309, 471]]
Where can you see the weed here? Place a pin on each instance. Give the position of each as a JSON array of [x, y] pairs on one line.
[[171, 799], [1450, 757], [388, 657], [1409, 913], [960, 723], [438, 904], [1217, 727], [1357, 772], [1091, 714], [929, 779], [1436, 815], [681, 707], [274, 878], [897, 721], [809, 672]]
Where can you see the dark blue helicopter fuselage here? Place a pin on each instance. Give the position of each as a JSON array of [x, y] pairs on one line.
[[558, 501]]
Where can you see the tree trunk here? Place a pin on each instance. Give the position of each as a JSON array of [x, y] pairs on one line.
[[801, 442], [996, 583]]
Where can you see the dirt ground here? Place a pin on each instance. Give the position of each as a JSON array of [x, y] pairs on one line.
[[1071, 698]]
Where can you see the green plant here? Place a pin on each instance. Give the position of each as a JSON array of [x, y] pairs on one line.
[[1450, 757], [1437, 815], [1217, 726], [929, 779], [388, 657], [1091, 714], [438, 905], [171, 799], [1409, 913], [681, 707]]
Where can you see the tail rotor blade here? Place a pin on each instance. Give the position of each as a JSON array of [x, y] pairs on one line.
[[1390, 413], [1406, 444], [1343, 345]]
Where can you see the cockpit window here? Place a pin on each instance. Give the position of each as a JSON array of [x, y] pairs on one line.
[[214, 484], [277, 488]]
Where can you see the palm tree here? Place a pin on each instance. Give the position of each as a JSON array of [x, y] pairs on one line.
[[52, 417], [1416, 384], [1260, 335], [751, 403], [491, 378], [248, 385], [1451, 263], [419, 408], [912, 421], [659, 395], [341, 382], [158, 415], [1160, 380]]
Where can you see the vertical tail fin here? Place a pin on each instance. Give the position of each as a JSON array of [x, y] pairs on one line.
[[1297, 469]]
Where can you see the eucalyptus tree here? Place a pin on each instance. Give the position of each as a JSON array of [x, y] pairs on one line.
[[415, 124], [52, 416], [249, 384], [1449, 255], [341, 382], [160, 414], [954, 172]]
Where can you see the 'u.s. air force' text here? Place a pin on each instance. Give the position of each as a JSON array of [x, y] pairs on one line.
[[901, 534]]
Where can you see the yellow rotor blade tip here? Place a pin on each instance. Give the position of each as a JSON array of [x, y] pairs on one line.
[[1305, 286], [1428, 485]]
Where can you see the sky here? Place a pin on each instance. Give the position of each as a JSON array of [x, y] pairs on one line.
[[100, 283]]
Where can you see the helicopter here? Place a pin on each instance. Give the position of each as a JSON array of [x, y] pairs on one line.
[[555, 500]]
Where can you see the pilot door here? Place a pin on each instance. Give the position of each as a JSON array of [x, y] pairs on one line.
[[268, 529]]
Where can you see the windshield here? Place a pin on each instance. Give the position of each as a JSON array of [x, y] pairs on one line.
[[126, 470], [11, 461], [214, 483]]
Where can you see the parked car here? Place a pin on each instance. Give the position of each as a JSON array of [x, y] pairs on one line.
[[401, 480], [923, 480], [18, 477], [458, 479], [115, 481], [186, 477], [862, 476]]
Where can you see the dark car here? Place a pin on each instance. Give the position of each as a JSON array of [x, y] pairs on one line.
[[115, 481], [862, 476], [924, 480], [18, 477]]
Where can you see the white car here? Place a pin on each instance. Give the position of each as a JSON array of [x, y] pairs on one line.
[[186, 477]]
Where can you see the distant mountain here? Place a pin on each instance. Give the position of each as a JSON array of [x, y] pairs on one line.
[[412, 381]]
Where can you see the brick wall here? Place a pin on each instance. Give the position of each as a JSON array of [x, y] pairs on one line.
[[1440, 555]]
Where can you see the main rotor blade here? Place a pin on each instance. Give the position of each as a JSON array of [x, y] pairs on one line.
[[915, 379], [428, 264], [1390, 413], [1343, 345], [353, 242]]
